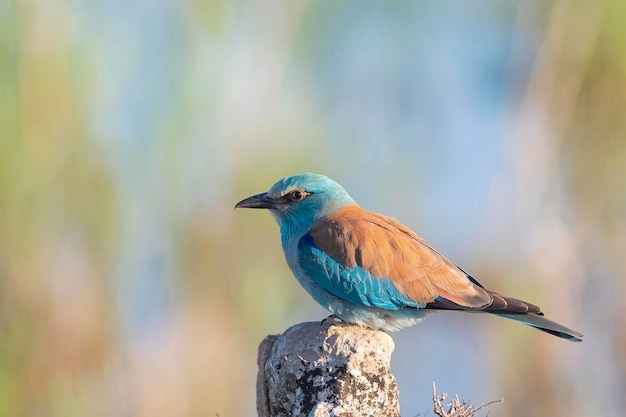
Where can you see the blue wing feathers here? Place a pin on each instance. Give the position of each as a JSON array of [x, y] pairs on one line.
[[356, 284]]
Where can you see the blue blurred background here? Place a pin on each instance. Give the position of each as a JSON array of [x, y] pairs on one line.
[[128, 130]]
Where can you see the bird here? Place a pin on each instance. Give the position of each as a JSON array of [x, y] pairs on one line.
[[369, 269]]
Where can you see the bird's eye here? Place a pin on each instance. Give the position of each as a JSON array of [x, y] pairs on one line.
[[297, 195]]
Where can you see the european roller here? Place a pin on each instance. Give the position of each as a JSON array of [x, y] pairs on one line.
[[372, 270]]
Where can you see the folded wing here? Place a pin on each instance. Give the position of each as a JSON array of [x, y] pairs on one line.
[[383, 249]]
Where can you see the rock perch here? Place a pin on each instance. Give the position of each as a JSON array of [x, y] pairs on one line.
[[324, 369]]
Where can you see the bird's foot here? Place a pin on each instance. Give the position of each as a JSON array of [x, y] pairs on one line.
[[333, 320]]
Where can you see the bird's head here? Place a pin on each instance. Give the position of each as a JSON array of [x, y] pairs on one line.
[[297, 202]]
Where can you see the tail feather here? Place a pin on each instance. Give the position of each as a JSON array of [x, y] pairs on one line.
[[510, 308], [543, 324]]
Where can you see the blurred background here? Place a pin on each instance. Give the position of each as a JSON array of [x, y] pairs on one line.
[[128, 131]]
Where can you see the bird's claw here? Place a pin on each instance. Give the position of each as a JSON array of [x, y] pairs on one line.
[[333, 320]]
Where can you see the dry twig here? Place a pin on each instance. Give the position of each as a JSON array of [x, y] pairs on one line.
[[456, 408]]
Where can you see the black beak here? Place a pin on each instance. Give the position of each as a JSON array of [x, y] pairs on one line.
[[259, 201]]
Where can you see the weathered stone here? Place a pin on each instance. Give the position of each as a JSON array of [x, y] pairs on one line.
[[322, 369]]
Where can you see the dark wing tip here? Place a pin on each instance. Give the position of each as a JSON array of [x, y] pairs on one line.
[[505, 304]]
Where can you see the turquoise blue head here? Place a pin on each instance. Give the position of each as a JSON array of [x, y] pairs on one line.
[[297, 202]]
